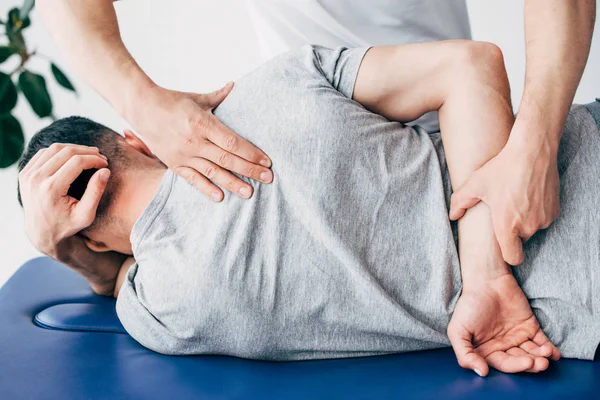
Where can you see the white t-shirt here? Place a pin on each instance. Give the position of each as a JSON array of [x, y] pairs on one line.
[[283, 25]]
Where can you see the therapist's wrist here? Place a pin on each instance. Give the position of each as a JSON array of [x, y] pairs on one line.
[[540, 120], [136, 89]]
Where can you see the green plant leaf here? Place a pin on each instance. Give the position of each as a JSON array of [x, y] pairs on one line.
[[13, 29], [26, 9], [12, 141], [5, 52], [61, 78], [8, 94], [34, 88], [16, 22]]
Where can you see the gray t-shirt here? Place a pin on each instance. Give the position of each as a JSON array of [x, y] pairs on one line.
[[349, 252]]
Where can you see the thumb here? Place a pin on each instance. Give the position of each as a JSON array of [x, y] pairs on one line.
[[464, 198], [509, 241], [213, 99], [87, 206], [467, 358]]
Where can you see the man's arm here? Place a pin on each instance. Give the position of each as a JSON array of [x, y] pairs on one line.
[[122, 275], [521, 185], [467, 84], [178, 127], [101, 270]]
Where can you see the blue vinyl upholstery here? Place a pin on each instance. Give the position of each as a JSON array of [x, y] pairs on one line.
[[86, 355]]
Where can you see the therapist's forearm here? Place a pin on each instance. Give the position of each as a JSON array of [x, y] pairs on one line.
[[87, 32], [558, 35]]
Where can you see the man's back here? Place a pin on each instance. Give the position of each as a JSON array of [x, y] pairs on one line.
[[348, 252]]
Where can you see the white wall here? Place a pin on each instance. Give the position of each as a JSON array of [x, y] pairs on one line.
[[199, 45]]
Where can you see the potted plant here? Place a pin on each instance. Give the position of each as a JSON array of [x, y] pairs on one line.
[[20, 81]]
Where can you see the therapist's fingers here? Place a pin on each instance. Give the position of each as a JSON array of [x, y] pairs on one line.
[[200, 182], [236, 164], [213, 99], [233, 144], [465, 197], [85, 210], [508, 239], [222, 177]]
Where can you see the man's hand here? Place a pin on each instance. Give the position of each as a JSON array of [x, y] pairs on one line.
[[522, 190], [494, 325], [51, 216], [182, 131]]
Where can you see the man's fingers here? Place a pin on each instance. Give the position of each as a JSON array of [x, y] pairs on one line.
[[535, 350], [65, 154], [32, 161], [213, 99], [66, 175], [509, 241], [236, 164], [222, 177], [508, 363], [542, 340], [85, 209], [227, 140], [200, 182], [539, 363], [465, 354], [464, 198], [49, 152]]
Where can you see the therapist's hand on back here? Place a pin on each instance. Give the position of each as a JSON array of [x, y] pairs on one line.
[[181, 130]]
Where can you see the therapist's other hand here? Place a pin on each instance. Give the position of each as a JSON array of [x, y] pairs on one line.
[[181, 130], [493, 325], [522, 189], [51, 216]]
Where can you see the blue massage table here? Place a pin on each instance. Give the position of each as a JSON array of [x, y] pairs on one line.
[[58, 340]]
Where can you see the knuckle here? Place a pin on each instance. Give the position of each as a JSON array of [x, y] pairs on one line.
[[231, 185], [85, 218], [69, 150], [192, 179], [34, 175], [231, 143], [56, 147], [224, 159], [252, 172], [47, 186], [197, 121], [210, 172], [77, 159]]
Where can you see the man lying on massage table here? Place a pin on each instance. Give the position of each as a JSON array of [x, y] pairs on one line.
[[349, 252]]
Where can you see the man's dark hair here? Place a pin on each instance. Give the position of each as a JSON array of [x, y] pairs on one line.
[[81, 131]]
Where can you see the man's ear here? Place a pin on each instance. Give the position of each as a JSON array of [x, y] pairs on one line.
[[95, 246], [137, 143]]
